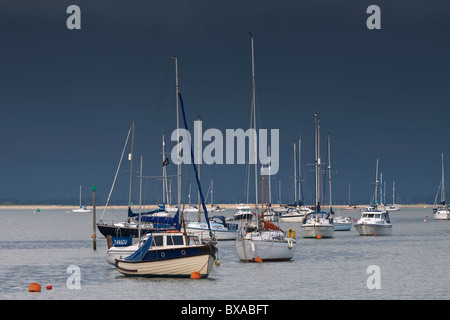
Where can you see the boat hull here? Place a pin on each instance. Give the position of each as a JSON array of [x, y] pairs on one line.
[[374, 229], [249, 249], [203, 234], [316, 230], [346, 226], [442, 215], [116, 231], [180, 266], [291, 218]]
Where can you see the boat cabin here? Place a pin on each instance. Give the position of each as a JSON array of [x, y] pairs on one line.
[[172, 239]]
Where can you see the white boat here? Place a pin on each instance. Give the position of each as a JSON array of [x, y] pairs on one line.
[[374, 220], [317, 224], [349, 207], [243, 213], [262, 240], [342, 224], [221, 229], [441, 212], [82, 209], [169, 255], [294, 215], [265, 245], [393, 207]]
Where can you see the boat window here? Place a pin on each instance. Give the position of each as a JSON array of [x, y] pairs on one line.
[[157, 241], [174, 240]]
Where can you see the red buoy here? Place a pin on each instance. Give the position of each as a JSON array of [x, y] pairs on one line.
[[48, 287]]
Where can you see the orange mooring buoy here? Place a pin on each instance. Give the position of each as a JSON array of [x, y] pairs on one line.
[[196, 275], [319, 236], [258, 259], [34, 287]]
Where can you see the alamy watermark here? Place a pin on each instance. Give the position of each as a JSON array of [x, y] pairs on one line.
[[259, 150]]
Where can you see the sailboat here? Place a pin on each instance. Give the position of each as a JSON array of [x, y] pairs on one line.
[[349, 207], [299, 211], [442, 212], [173, 254], [393, 207], [340, 223], [318, 224], [374, 220], [261, 240], [82, 209]]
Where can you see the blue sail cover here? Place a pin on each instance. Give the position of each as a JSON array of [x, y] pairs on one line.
[[132, 214], [167, 222], [140, 253]]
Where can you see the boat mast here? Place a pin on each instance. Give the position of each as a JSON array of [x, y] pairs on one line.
[[254, 131], [177, 91], [376, 185], [130, 157], [254, 124], [316, 160], [329, 171], [299, 179], [295, 176], [442, 181]]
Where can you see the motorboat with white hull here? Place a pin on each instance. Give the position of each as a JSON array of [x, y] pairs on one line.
[[342, 224], [221, 229], [374, 222], [293, 215]]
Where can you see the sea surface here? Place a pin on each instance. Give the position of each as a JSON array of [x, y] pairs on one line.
[[45, 246]]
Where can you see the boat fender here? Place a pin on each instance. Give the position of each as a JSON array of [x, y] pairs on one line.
[[196, 275], [252, 246], [291, 233], [289, 241], [217, 262]]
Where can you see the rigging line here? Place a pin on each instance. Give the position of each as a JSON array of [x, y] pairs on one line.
[[117, 171]]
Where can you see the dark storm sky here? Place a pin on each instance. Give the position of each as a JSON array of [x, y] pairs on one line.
[[68, 96]]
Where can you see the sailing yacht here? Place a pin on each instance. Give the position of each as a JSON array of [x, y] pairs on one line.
[[393, 207], [349, 207], [442, 212], [340, 223], [175, 253], [374, 220], [318, 224], [261, 240], [81, 208]]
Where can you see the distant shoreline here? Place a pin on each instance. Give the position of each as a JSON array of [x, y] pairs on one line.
[[225, 206]]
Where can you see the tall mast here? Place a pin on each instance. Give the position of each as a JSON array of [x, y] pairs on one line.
[[164, 184], [316, 160], [177, 91], [295, 176], [254, 125], [130, 157], [299, 169], [376, 184], [443, 180], [329, 170]]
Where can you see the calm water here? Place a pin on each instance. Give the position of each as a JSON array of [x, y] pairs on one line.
[[414, 263]]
